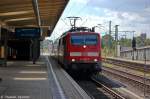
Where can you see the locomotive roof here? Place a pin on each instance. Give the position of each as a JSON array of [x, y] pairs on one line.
[[78, 30], [73, 29]]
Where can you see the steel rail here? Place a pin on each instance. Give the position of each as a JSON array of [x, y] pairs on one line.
[[131, 65], [109, 90]]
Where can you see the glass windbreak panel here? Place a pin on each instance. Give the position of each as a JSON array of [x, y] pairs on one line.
[[84, 39]]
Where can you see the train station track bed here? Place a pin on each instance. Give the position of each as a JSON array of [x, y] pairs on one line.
[[137, 84], [130, 64], [101, 87]]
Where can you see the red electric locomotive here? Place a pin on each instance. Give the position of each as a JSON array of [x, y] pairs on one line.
[[80, 49]]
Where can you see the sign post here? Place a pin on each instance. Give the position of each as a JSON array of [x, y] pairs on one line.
[[133, 47], [145, 70]]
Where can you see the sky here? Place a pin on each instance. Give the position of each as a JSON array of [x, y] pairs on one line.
[[130, 15]]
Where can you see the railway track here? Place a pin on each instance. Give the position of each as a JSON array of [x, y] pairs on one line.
[[127, 64], [108, 90], [97, 89], [127, 74], [129, 79]]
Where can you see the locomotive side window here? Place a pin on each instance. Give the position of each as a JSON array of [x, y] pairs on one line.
[[84, 39]]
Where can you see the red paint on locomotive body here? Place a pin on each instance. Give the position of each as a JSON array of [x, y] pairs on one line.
[[78, 48], [85, 51]]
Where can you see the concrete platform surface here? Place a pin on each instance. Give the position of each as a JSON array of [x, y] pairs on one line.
[[24, 80]]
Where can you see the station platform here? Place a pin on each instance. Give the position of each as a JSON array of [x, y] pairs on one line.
[[25, 80]]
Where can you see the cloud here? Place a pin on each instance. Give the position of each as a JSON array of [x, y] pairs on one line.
[[60, 28], [81, 1], [147, 9], [121, 5], [127, 17], [127, 21], [96, 9], [129, 14]]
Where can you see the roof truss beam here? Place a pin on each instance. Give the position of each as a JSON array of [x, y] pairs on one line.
[[36, 11]]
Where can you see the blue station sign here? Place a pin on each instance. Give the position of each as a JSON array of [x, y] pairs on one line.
[[27, 32]]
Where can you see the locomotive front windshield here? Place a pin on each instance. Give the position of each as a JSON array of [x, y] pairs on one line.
[[84, 39]]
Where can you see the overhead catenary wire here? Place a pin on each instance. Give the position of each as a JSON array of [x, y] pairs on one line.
[[64, 22], [73, 20], [78, 13], [83, 22], [81, 10], [70, 13]]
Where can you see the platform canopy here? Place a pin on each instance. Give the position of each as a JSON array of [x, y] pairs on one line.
[[31, 13]]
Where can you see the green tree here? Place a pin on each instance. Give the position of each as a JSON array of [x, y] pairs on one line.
[[107, 45], [107, 41], [147, 42], [125, 42]]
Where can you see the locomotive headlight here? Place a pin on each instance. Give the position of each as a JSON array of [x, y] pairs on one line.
[[73, 60], [95, 60]]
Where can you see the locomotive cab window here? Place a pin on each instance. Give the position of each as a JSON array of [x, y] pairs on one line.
[[84, 39]]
